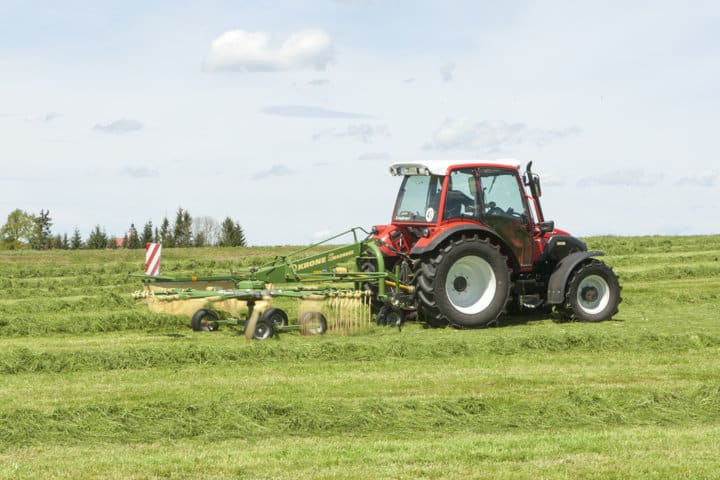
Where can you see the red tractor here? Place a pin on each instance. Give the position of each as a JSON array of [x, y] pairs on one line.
[[471, 238]]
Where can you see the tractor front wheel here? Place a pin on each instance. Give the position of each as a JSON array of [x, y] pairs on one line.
[[592, 293], [465, 283]]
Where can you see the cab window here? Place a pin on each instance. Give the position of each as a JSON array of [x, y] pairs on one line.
[[502, 195], [418, 199], [461, 198]]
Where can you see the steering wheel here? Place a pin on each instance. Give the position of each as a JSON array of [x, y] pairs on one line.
[[514, 214], [493, 209]]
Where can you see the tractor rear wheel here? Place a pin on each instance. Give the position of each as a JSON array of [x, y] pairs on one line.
[[592, 293], [465, 283]]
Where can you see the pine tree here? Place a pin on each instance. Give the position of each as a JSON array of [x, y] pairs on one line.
[[98, 239], [166, 236], [231, 234], [147, 234], [182, 232], [76, 240], [57, 242], [133, 240], [65, 245], [41, 237], [199, 239], [241, 235]]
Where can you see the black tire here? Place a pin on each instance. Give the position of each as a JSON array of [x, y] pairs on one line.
[[312, 323], [276, 316], [390, 317], [205, 321], [465, 283], [264, 329], [592, 293]]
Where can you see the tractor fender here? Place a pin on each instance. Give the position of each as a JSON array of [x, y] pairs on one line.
[[446, 234], [558, 279]]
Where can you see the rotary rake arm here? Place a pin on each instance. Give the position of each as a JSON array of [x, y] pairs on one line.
[[330, 277]]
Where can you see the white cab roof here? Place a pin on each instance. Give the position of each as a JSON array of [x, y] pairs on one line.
[[440, 167]]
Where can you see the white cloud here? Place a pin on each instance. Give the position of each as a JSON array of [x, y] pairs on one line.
[[309, 112], [321, 234], [255, 52], [318, 82], [626, 178], [277, 170], [49, 117], [139, 172], [46, 118], [552, 180], [708, 178], [369, 156], [360, 3], [446, 72], [490, 137], [364, 132], [118, 127]]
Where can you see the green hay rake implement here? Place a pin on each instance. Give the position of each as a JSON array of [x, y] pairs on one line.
[[331, 291]]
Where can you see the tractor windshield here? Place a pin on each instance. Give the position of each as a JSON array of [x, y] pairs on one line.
[[418, 199]]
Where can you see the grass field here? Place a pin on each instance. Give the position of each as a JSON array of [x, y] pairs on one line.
[[94, 386]]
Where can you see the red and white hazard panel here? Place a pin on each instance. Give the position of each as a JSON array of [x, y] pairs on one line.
[[152, 259]]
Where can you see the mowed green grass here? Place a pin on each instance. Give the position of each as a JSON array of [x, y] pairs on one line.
[[94, 386]]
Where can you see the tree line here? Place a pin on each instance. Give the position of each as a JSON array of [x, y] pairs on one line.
[[26, 230]]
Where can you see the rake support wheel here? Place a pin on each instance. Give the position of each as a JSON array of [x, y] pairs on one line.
[[277, 317], [465, 283], [204, 321], [264, 329], [312, 323]]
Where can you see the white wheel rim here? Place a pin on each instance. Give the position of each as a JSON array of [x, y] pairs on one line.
[[593, 294], [262, 332], [470, 285]]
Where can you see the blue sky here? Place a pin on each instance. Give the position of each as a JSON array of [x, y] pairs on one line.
[[285, 115]]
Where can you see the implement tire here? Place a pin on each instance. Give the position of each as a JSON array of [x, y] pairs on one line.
[[205, 321], [312, 323], [277, 317], [465, 283], [264, 329]]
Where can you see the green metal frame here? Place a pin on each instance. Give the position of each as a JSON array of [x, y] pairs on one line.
[[294, 268]]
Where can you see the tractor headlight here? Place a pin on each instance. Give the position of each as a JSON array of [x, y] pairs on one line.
[[425, 232]]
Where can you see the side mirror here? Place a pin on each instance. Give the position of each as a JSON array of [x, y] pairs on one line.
[[536, 183], [547, 227]]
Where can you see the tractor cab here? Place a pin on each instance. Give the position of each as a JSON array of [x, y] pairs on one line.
[[466, 191], [437, 198]]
